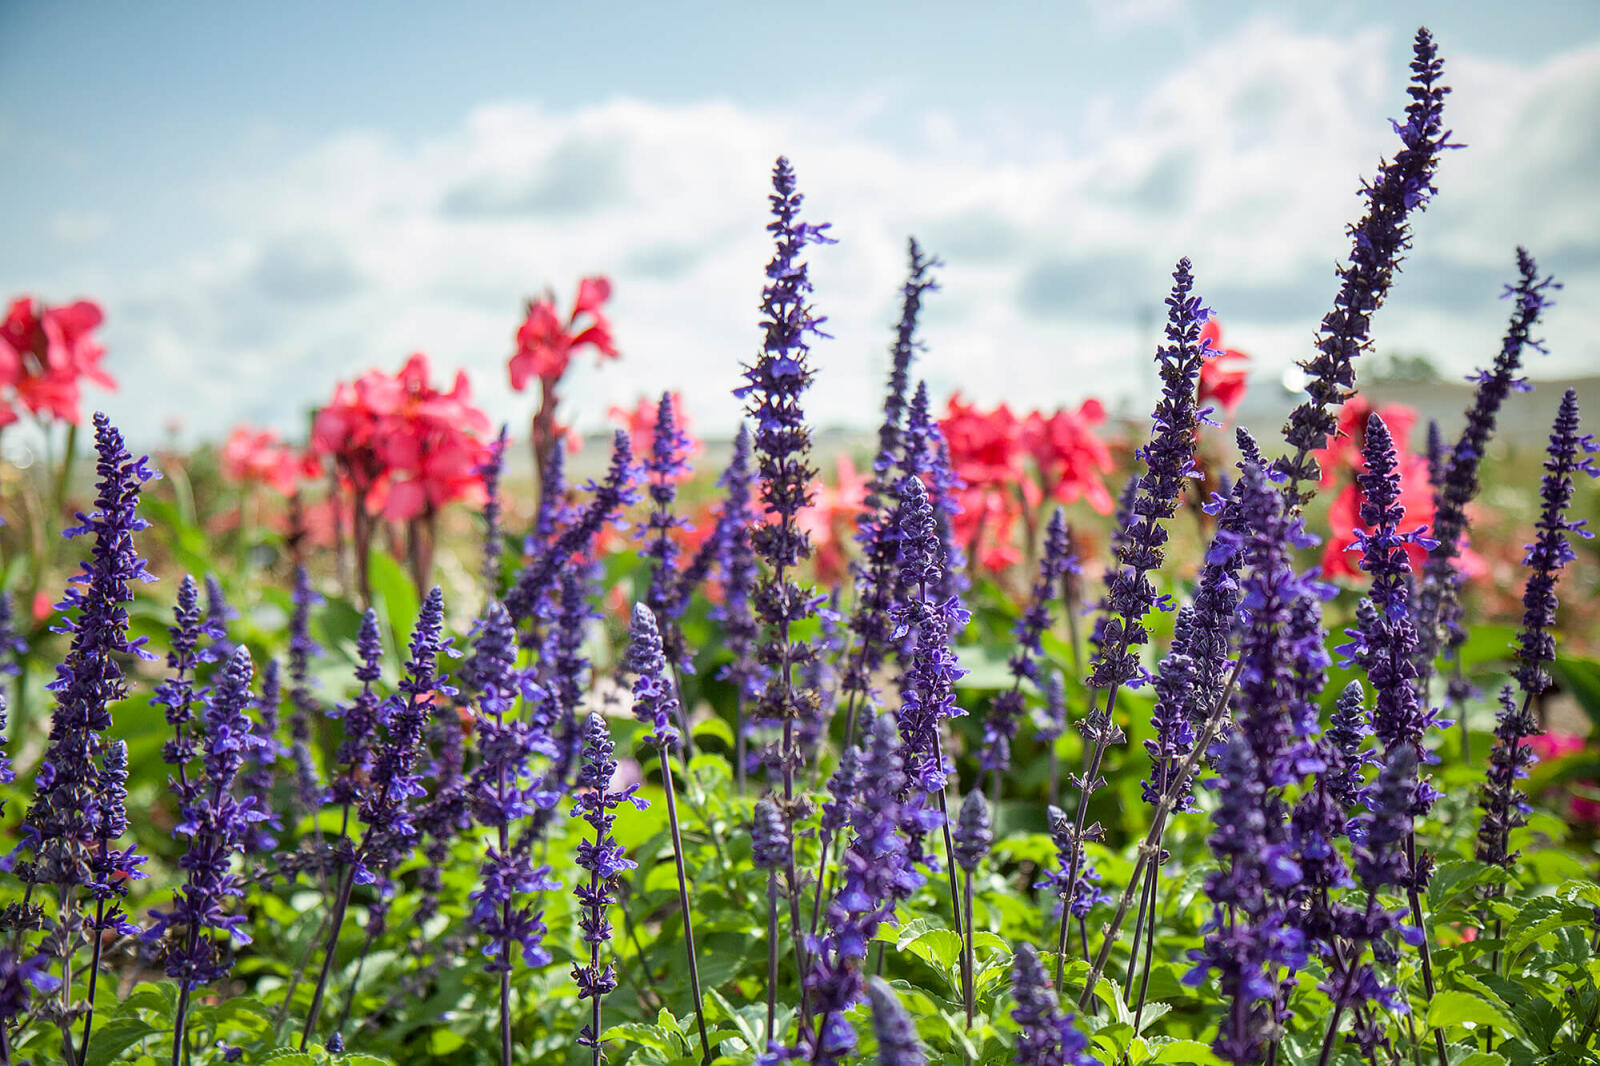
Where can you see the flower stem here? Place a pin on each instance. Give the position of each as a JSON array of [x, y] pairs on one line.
[[772, 953], [335, 926], [1148, 847], [683, 902]]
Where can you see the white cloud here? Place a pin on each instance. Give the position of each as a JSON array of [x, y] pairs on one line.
[[364, 248]]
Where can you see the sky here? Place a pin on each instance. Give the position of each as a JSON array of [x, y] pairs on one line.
[[269, 198]]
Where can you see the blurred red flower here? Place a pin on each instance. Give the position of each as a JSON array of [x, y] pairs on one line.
[[45, 355], [1225, 374], [545, 343], [989, 452], [401, 444], [258, 457], [1557, 745], [830, 521], [1072, 460]]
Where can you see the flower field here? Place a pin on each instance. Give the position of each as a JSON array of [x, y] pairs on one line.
[[1036, 737]]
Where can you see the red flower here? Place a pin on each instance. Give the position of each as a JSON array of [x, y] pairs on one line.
[[1071, 458], [989, 452], [545, 343], [1555, 745], [1225, 373], [1340, 557], [640, 422], [256, 456], [45, 354], [830, 521], [403, 446]]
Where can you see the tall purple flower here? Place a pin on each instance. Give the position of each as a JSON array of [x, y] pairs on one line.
[[928, 694], [653, 702], [385, 806], [1348, 733], [1384, 642], [1000, 727], [502, 792], [1248, 936], [175, 693], [896, 1032], [528, 600], [877, 527], [258, 776], [1403, 185], [304, 707], [493, 533], [1168, 458], [1456, 484], [877, 872], [1046, 1037], [219, 612], [361, 717], [605, 862], [215, 822], [68, 822], [1570, 453], [926, 454], [774, 386], [664, 466]]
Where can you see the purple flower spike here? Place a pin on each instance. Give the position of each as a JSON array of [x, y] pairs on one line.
[[972, 833], [896, 1032], [1403, 185], [529, 596], [199, 931], [928, 694], [1570, 453], [653, 701], [769, 836], [1047, 1037], [1456, 478], [605, 862], [68, 813], [1000, 727], [1384, 642]]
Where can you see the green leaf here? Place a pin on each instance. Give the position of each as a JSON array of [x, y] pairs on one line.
[[940, 947], [1186, 1051], [1581, 677], [117, 1036], [287, 1056], [1450, 1007], [393, 594]]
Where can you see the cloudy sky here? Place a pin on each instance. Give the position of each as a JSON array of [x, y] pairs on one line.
[[267, 198]]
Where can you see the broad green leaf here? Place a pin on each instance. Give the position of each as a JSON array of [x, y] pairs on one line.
[[1581, 677], [1450, 1007], [117, 1036], [1190, 1051]]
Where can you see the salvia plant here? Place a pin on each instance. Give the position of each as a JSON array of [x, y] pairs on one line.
[[827, 784]]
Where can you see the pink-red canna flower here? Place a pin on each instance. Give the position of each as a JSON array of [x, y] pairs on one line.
[[1072, 460], [401, 444], [45, 355], [546, 342], [830, 521], [258, 457], [1225, 374], [1553, 745]]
